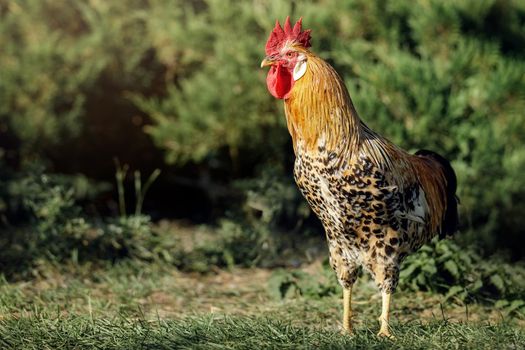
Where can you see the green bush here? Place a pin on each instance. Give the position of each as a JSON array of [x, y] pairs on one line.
[[446, 76], [285, 284], [41, 218], [56, 55], [445, 267], [45, 73], [439, 75]]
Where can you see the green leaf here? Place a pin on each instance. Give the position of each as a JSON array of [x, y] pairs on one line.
[[477, 285], [452, 267], [430, 267], [497, 281], [453, 291], [515, 305], [501, 304], [407, 271]]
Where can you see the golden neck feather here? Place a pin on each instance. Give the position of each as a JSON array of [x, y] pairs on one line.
[[319, 111]]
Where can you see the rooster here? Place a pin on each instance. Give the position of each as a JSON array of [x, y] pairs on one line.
[[377, 203]]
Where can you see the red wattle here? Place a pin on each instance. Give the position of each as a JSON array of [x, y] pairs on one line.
[[279, 81]]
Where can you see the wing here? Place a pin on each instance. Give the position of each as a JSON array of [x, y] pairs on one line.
[[425, 183]]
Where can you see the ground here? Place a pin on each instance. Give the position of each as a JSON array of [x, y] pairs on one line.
[[137, 305]]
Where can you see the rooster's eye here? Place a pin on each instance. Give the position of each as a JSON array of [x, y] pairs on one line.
[[289, 54]]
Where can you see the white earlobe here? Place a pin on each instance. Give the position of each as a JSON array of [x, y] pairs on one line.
[[299, 70]]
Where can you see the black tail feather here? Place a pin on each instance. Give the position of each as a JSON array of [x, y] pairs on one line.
[[450, 223]]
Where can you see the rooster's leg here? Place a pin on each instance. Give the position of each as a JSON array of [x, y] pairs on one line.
[[384, 331], [347, 310]]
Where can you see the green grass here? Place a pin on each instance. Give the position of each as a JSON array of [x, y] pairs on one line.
[[43, 331], [136, 305]]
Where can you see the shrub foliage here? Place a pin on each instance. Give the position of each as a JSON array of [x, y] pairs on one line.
[[441, 75]]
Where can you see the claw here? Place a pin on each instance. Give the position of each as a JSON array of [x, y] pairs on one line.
[[347, 331], [386, 334]]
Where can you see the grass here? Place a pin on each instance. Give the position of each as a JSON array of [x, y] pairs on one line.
[[134, 305], [224, 332]]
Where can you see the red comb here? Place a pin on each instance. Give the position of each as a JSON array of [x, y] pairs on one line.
[[279, 36]]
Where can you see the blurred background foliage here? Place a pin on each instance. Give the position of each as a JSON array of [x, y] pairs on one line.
[[176, 85]]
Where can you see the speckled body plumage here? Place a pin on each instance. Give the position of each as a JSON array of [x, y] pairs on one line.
[[362, 216]]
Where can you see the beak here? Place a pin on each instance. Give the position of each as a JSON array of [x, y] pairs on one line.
[[268, 61]]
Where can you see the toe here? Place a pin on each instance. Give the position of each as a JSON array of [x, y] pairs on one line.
[[345, 330], [385, 333]]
